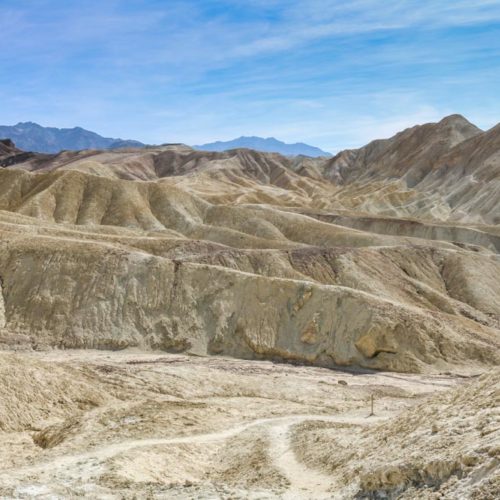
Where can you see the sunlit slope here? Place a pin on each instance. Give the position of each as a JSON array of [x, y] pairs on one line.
[[383, 257]]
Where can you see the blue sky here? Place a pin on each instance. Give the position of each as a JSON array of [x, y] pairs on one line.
[[331, 73]]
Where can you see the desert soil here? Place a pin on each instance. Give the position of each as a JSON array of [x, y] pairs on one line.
[[132, 424]]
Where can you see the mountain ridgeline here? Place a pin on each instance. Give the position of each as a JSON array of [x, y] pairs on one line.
[[268, 145], [30, 136]]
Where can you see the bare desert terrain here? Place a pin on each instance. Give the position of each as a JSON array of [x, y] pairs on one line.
[[142, 425], [189, 324]]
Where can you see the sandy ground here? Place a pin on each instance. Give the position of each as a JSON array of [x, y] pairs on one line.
[[176, 426]]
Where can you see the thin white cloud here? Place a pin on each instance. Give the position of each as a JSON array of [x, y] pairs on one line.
[[192, 72], [183, 33]]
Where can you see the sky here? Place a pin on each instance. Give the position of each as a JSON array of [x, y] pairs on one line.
[[331, 73]]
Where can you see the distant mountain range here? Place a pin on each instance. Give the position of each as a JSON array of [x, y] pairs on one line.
[[269, 145], [30, 136]]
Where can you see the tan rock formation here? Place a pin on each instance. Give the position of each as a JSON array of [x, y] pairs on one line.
[[384, 257]]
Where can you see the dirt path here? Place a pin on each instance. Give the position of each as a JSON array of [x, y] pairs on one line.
[[183, 427], [302, 479]]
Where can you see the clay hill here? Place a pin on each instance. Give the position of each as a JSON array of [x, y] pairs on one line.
[[384, 257], [192, 324]]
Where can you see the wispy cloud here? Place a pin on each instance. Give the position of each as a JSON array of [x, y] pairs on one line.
[[326, 71]]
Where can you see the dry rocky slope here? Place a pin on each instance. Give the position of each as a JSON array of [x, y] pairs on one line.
[[385, 257], [127, 425]]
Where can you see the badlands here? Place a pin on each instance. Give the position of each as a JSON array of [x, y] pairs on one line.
[[188, 324]]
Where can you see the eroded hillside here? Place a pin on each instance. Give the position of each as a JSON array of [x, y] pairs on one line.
[[384, 257]]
